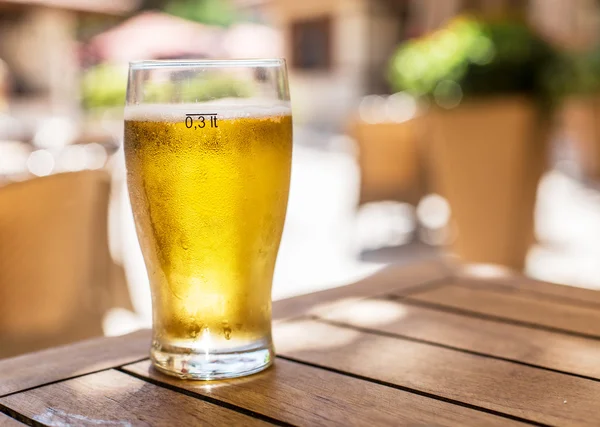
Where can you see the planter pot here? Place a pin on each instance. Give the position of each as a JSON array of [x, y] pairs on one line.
[[486, 158], [580, 120], [389, 160]]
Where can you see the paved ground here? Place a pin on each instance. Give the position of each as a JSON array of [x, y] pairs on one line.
[[568, 228]]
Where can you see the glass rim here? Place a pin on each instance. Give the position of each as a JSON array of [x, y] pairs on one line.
[[205, 63]]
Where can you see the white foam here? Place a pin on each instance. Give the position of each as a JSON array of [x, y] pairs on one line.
[[225, 109]]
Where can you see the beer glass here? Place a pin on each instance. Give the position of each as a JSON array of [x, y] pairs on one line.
[[208, 148]]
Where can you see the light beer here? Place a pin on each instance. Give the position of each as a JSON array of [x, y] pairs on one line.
[[209, 195]]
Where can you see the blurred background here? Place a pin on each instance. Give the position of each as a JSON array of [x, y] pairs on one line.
[[423, 128]]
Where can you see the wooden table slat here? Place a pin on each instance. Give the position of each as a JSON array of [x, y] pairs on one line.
[[516, 307], [561, 352], [521, 283], [304, 395], [393, 278], [425, 343], [510, 388], [117, 399], [35, 369], [6, 421]]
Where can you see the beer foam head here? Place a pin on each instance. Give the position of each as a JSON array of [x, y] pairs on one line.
[[224, 108]]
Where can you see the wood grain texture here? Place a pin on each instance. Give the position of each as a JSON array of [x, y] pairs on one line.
[[304, 395], [113, 398], [6, 421], [35, 369], [508, 280], [518, 307], [510, 388], [393, 278], [551, 350]]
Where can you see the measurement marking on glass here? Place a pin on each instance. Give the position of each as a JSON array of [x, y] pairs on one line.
[[199, 120]]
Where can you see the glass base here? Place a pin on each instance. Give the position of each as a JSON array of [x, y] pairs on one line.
[[191, 364]]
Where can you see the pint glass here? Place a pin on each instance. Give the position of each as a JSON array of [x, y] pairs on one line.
[[208, 148]]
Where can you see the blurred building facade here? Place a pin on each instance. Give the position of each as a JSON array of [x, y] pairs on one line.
[[338, 50], [38, 43]]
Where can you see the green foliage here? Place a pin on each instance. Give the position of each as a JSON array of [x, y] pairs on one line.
[[201, 89], [105, 86], [212, 12], [475, 58], [578, 73]]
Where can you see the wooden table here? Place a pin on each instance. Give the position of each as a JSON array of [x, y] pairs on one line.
[[425, 344]]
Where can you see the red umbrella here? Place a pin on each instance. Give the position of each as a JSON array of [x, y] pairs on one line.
[[155, 35]]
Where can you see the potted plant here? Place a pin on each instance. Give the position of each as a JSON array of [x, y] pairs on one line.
[[488, 128]]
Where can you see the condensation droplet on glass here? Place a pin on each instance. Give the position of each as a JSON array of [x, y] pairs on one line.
[[185, 244], [227, 332]]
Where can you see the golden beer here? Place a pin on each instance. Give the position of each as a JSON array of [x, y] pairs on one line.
[[209, 201]]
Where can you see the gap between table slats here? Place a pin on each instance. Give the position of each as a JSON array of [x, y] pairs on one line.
[[304, 395], [493, 339], [516, 308], [6, 421], [56, 364], [526, 284], [115, 398], [300, 394], [532, 292], [521, 391]]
